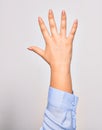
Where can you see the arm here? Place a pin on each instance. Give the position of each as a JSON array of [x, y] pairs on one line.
[[58, 53]]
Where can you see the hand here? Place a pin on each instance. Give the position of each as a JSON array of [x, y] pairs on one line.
[[58, 50]]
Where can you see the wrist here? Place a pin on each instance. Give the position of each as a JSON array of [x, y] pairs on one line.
[[61, 79], [60, 68]]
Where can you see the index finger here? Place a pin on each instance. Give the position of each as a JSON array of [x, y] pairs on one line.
[[43, 28]]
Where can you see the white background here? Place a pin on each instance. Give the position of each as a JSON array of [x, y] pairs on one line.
[[25, 76]]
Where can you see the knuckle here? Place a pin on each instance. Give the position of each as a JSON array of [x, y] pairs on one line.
[[51, 17], [63, 27], [63, 17], [43, 29], [73, 31], [63, 24], [52, 25]]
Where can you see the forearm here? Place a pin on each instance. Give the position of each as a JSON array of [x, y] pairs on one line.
[[61, 79]]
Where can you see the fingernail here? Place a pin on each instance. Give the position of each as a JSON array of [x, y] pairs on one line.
[[40, 19], [76, 21], [50, 11], [29, 48], [63, 12]]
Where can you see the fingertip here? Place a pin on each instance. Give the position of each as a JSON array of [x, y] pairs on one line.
[[76, 21], [50, 11], [39, 19], [63, 12], [30, 48]]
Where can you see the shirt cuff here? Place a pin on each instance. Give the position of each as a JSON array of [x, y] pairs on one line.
[[61, 99]]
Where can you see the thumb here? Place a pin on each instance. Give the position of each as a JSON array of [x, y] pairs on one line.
[[37, 50]]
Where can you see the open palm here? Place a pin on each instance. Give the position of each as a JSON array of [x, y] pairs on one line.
[[58, 49]]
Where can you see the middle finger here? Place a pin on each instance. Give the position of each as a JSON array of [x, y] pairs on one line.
[[52, 23]]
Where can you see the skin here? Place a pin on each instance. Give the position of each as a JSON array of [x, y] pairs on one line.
[[58, 50]]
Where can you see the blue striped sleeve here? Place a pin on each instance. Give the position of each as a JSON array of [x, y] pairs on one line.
[[60, 112]]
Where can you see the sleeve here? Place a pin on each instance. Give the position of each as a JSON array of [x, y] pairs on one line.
[[60, 112]]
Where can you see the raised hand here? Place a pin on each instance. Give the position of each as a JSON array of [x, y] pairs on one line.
[[58, 50]]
